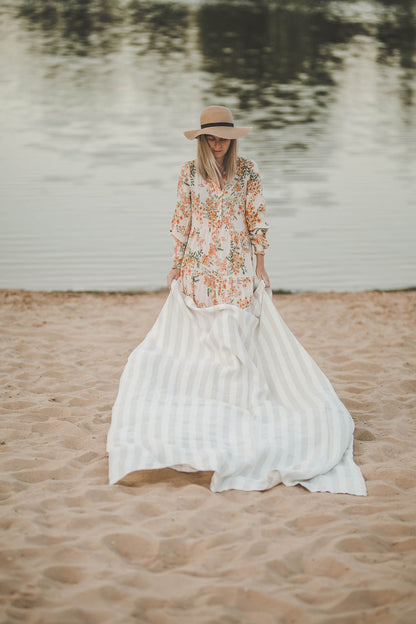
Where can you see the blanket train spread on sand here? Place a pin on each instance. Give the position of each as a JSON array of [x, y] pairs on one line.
[[234, 392]]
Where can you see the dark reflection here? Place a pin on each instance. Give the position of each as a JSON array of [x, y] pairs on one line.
[[261, 42], [88, 27], [159, 26], [397, 34], [283, 58], [79, 27]]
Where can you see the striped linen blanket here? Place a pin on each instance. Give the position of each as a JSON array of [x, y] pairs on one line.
[[231, 391]]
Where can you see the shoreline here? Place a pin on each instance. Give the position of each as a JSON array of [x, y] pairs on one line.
[[165, 290]]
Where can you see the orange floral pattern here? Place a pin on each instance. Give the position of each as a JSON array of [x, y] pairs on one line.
[[215, 232]]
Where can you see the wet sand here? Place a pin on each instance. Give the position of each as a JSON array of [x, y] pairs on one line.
[[161, 548]]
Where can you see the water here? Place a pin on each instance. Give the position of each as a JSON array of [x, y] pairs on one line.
[[95, 94]]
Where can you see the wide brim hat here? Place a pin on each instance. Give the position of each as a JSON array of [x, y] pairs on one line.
[[218, 121]]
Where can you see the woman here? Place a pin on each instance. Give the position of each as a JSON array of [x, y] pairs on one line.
[[219, 217], [220, 383]]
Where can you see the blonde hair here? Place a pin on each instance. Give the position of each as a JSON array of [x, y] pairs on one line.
[[206, 164]]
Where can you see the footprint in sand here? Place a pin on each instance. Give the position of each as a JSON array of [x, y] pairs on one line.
[[65, 574], [364, 435], [132, 548]]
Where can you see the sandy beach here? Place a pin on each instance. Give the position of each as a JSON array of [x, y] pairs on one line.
[[161, 547]]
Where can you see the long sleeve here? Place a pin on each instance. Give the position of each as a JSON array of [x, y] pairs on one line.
[[256, 211], [181, 220]]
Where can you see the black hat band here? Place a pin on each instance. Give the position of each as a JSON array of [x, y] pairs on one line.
[[221, 123]]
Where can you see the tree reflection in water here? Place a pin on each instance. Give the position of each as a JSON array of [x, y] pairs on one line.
[[159, 26], [94, 27], [80, 27], [267, 55], [271, 57]]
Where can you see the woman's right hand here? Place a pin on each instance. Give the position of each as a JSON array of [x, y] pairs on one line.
[[172, 275]]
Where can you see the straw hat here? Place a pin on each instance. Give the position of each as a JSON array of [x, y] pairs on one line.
[[218, 121]]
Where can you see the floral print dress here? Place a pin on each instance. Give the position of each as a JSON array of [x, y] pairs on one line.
[[216, 231]]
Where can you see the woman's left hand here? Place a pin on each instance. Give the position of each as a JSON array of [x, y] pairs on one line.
[[173, 274], [261, 271]]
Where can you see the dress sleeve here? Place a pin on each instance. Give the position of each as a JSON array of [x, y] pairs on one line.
[[256, 211], [181, 220]]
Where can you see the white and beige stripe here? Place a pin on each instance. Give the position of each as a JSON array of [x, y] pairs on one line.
[[231, 391]]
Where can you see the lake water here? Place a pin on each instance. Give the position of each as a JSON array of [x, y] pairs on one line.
[[94, 96]]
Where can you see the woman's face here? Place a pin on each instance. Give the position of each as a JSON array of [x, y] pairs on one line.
[[219, 147]]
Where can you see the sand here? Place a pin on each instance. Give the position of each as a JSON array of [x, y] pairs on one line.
[[161, 547]]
